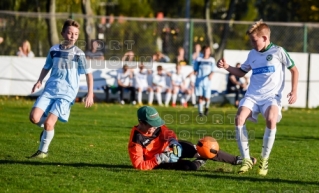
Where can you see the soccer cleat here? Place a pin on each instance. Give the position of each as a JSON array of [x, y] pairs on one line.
[[206, 112], [263, 167], [39, 154], [201, 114], [122, 102], [133, 103], [245, 166], [201, 161], [239, 160], [185, 105], [173, 104]]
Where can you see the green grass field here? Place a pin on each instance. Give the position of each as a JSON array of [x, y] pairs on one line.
[[89, 153]]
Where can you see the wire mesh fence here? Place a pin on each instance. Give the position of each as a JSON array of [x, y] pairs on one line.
[[145, 36]]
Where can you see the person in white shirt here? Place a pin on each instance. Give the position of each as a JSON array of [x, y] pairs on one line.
[[178, 85], [160, 85], [125, 82], [190, 90], [141, 84], [267, 62]]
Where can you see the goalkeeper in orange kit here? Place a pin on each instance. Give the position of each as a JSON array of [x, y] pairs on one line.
[[153, 145]]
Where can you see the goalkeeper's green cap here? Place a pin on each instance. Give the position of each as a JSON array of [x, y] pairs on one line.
[[150, 116]]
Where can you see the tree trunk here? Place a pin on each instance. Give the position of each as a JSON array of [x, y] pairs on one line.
[[225, 33], [89, 24], [51, 23], [209, 30]]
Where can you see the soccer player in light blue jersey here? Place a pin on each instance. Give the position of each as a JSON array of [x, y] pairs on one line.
[[267, 62], [204, 68], [66, 62]]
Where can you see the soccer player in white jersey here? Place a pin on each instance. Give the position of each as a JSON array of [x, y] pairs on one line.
[[141, 84], [160, 85], [267, 62], [204, 68], [178, 84], [66, 62]]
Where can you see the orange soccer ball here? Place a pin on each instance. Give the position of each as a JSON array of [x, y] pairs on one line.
[[207, 147]]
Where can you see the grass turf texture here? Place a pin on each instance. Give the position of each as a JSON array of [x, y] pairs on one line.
[[89, 153]]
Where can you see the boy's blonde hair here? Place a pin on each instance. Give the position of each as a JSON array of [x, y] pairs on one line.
[[70, 22], [259, 28]]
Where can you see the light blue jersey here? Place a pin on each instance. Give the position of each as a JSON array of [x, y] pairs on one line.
[[203, 67], [66, 66]]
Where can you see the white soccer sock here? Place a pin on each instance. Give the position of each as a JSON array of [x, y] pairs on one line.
[[242, 141], [41, 122], [268, 142], [200, 107], [187, 97], [159, 98], [207, 104], [139, 97], [168, 98], [174, 98], [150, 97], [46, 140], [193, 99]]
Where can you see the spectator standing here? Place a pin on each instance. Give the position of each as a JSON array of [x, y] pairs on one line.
[[95, 53], [25, 50]]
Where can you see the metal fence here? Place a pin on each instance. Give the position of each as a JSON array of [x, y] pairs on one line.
[[149, 35]]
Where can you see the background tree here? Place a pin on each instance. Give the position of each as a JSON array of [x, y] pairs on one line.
[[53, 35], [89, 23]]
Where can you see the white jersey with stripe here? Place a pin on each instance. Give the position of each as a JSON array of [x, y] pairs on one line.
[[268, 72]]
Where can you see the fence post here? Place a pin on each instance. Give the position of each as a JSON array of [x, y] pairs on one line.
[[305, 37], [190, 53], [305, 44]]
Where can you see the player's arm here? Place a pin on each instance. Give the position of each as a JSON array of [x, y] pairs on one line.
[[89, 81], [294, 83], [137, 158], [233, 70], [45, 70], [38, 84], [210, 76], [190, 74]]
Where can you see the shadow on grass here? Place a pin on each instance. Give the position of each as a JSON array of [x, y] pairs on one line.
[[66, 164], [255, 179]]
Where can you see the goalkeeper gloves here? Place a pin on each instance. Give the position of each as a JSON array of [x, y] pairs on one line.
[[176, 147], [166, 157]]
